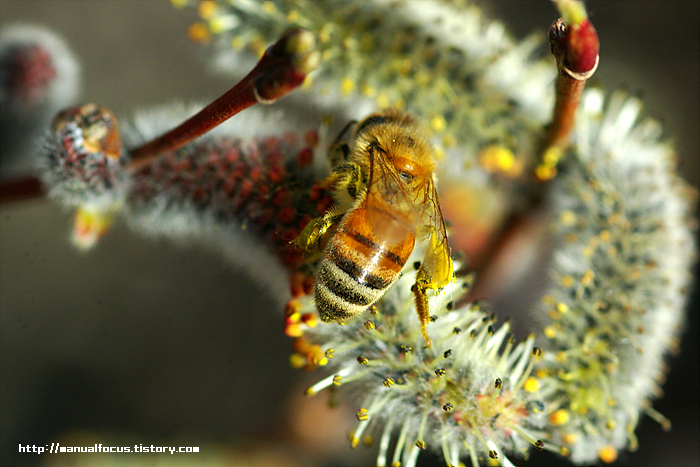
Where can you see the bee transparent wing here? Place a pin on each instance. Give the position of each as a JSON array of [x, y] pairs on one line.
[[437, 261], [392, 209]]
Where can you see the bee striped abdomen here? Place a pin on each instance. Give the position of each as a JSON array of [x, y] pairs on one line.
[[356, 271]]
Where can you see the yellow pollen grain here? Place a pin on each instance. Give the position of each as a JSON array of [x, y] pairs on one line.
[[297, 361], [605, 236], [570, 237], [406, 66], [438, 123], [307, 83], [548, 300], [610, 368], [543, 172], [324, 36], [382, 100], [439, 153], [347, 86], [587, 278], [608, 454], [206, 9], [312, 322], [552, 156], [568, 218], [549, 332], [319, 360], [269, 8], [496, 158], [422, 78], [562, 307], [569, 438], [89, 225], [257, 46], [560, 417], [449, 140], [237, 43], [293, 16], [218, 25], [505, 159], [567, 281], [399, 104], [349, 44], [531, 384], [199, 32], [368, 91], [610, 424]]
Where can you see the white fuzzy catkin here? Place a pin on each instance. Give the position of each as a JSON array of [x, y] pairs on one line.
[[28, 103], [620, 275], [439, 59], [468, 396]]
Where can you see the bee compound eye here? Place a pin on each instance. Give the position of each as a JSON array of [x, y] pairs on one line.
[[406, 177]]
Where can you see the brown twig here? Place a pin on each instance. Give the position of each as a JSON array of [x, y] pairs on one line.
[[281, 69], [20, 189], [575, 47]]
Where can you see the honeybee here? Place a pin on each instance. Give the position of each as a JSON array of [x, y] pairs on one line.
[[385, 197]]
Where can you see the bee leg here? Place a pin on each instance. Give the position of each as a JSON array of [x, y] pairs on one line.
[[310, 238], [347, 183], [352, 180], [339, 150], [424, 282]]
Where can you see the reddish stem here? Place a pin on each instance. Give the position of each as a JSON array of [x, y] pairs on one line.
[[19, 189], [576, 51], [282, 68]]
